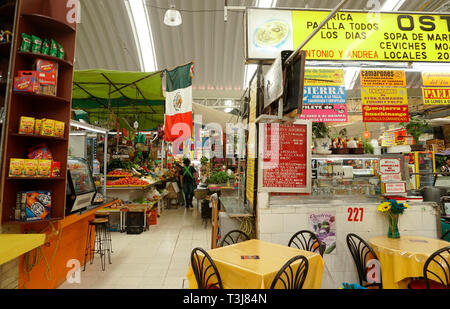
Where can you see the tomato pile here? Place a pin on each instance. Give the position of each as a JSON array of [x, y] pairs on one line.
[[119, 173], [127, 181]]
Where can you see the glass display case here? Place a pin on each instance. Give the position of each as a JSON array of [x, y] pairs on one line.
[[344, 175], [81, 189], [422, 169]]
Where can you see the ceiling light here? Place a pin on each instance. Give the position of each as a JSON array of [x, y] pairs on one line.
[[172, 17], [392, 5], [266, 3]]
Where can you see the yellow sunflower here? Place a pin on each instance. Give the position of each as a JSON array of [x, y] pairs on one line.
[[384, 207]]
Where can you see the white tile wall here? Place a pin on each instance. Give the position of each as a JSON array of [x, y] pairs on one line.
[[278, 224]]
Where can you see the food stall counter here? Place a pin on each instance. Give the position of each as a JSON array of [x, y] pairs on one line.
[[14, 245]]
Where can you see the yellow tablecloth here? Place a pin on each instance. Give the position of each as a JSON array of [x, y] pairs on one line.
[[237, 273], [403, 258]]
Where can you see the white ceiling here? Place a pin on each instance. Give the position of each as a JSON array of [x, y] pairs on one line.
[[105, 39]]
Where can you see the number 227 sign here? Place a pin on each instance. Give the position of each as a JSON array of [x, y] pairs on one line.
[[355, 214]]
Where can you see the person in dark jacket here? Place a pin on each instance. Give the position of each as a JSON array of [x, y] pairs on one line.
[[188, 182]]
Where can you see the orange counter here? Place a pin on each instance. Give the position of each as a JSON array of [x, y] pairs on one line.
[[71, 246]]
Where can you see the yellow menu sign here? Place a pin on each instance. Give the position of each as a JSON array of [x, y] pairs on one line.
[[384, 96], [436, 79], [383, 78], [324, 77], [436, 96]]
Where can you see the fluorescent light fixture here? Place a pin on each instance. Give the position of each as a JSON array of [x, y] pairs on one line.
[[172, 17], [250, 70], [266, 3], [87, 127], [392, 5], [228, 103], [140, 22]]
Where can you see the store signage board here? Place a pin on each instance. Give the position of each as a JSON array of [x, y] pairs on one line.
[[285, 157], [436, 79], [383, 78], [273, 82], [384, 96], [436, 96], [350, 35], [324, 77], [390, 169], [393, 188]]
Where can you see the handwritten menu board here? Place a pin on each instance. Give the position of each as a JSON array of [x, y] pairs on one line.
[[285, 158]]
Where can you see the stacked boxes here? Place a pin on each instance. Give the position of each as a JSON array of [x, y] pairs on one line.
[[42, 80], [435, 145], [33, 205]]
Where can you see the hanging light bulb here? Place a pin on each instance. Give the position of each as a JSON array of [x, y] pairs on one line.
[[172, 17]]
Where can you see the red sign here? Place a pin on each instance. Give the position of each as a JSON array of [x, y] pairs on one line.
[[385, 113], [285, 156]]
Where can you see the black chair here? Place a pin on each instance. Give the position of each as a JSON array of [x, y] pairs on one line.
[[205, 270], [287, 279], [440, 258], [307, 240], [362, 253], [233, 237], [445, 235]]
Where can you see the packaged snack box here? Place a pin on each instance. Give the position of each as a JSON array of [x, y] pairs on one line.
[[37, 126], [59, 128], [49, 68], [30, 168], [47, 127], [26, 84], [37, 205], [44, 168], [26, 125], [16, 167], [56, 169]]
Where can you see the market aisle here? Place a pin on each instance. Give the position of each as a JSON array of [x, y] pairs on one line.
[[158, 258]]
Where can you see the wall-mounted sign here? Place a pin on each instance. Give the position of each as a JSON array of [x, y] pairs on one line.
[[324, 226], [273, 82], [390, 169], [436, 79], [324, 77], [383, 78], [393, 188], [349, 35], [384, 96], [439, 96], [285, 157]]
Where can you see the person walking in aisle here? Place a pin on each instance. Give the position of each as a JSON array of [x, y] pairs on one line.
[[188, 182]]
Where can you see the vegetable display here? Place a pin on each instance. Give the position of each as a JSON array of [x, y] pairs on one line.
[[127, 181]]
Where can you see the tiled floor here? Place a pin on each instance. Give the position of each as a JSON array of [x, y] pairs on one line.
[[155, 259]]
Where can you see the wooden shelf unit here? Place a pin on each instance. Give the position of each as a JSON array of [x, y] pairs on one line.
[[45, 19]]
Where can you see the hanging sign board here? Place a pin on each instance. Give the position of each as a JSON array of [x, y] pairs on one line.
[[436, 79], [324, 77], [285, 157], [384, 96], [349, 35], [383, 78], [273, 82], [439, 96], [390, 169]]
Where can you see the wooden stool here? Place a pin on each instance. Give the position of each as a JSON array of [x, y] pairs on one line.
[[108, 228], [98, 227]]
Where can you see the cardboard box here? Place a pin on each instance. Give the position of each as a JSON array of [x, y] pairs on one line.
[[44, 168], [49, 70], [37, 126], [47, 127], [26, 84], [26, 125], [435, 148], [59, 128], [36, 205], [438, 142], [16, 167], [30, 168], [56, 169], [47, 81]]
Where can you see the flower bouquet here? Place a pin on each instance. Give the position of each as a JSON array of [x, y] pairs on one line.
[[393, 209]]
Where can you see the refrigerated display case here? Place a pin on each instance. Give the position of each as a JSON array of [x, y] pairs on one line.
[[349, 175], [81, 189], [422, 169]]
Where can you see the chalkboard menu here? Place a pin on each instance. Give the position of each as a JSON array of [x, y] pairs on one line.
[[285, 157]]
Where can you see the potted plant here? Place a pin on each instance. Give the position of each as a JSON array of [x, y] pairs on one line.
[[416, 127], [321, 137]]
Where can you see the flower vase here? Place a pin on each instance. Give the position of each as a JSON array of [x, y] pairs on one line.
[[393, 226]]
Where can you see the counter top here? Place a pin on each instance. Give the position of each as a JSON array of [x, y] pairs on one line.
[[234, 207], [14, 245], [75, 217], [293, 201]]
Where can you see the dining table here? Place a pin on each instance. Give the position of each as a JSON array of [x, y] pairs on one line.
[[253, 264], [402, 259]]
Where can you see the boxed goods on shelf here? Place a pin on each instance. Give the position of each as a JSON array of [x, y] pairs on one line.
[[26, 84], [16, 167], [27, 125], [30, 167], [44, 168], [47, 127], [33, 205]]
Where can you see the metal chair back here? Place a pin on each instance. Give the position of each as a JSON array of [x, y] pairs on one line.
[[445, 235], [290, 279], [441, 270], [205, 270], [307, 240], [233, 237], [365, 259]]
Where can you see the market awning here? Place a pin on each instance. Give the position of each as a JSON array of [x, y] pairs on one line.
[[132, 95]]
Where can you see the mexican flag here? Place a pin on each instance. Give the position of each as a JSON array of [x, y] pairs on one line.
[[178, 116]]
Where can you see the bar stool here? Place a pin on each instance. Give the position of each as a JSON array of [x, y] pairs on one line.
[[99, 227], [108, 228]]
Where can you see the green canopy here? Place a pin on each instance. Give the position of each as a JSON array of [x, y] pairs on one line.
[[135, 96]]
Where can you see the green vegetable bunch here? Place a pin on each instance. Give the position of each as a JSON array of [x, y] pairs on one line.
[[219, 177], [204, 160], [416, 127]]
